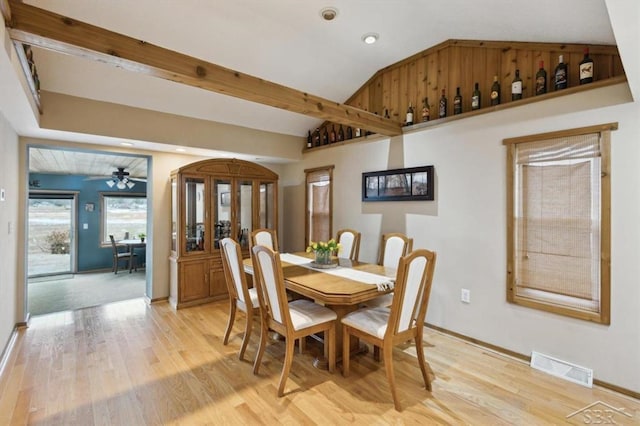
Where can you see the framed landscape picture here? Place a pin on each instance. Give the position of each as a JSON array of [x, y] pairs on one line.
[[412, 184]]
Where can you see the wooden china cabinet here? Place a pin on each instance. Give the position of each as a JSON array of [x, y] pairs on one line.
[[211, 200]]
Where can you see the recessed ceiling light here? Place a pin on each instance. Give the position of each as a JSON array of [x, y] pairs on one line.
[[180, 149], [126, 144], [329, 13], [370, 38]]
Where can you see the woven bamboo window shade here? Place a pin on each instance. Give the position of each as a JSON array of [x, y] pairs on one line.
[[556, 233], [319, 204]]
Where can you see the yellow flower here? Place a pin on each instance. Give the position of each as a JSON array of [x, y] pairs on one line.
[[322, 246]]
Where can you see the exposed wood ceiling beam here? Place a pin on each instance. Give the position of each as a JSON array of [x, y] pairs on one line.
[[55, 32]]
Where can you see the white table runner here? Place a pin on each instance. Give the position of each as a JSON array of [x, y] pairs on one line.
[[382, 282]]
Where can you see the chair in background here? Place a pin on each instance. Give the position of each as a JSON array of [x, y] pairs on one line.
[[119, 256], [293, 320], [265, 237], [349, 241], [393, 246], [240, 295], [404, 321]]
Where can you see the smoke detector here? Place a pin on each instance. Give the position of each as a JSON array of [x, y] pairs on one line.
[[329, 13]]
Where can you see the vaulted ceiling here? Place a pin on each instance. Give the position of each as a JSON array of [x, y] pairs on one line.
[[287, 42]]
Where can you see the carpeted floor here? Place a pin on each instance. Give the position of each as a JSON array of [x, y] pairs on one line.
[[69, 292]]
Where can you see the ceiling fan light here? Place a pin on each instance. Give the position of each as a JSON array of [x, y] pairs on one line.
[[121, 185], [110, 182], [130, 184]]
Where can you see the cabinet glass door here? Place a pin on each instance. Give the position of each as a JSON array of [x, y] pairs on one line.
[[267, 205], [244, 212], [174, 215], [194, 194], [221, 210]]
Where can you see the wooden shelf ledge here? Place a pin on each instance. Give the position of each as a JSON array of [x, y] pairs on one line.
[[504, 106]]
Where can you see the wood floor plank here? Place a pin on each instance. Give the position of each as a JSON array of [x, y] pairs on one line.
[[132, 363]]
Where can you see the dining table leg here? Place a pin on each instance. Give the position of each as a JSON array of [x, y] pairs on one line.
[[341, 311]]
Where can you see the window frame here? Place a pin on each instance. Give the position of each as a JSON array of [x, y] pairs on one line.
[[103, 211], [603, 315]]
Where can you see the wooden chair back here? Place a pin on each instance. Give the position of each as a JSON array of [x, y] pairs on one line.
[[349, 241], [265, 237], [271, 289], [234, 271], [411, 295], [392, 247]]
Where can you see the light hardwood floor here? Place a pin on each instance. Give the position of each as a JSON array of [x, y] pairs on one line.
[[130, 363]]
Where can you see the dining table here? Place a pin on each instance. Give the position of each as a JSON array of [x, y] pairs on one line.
[[341, 287], [132, 243]]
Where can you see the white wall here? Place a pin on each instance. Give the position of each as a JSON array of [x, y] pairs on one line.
[[8, 230], [466, 226]]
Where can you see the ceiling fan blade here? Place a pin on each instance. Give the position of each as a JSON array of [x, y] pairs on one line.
[[137, 179], [97, 178]]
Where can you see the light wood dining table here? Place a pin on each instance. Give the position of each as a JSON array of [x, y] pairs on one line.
[[342, 295]]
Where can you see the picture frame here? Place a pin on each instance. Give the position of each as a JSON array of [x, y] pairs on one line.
[[225, 198], [409, 184]]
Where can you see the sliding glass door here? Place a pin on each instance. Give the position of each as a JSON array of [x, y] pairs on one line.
[[51, 238]]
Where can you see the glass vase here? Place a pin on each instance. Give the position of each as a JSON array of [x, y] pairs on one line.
[[323, 257]]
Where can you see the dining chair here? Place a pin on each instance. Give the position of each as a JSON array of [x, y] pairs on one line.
[[119, 256], [293, 320], [349, 241], [240, 295], [265, 237], [386, 328]]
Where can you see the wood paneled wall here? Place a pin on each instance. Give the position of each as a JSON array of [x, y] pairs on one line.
[[462, 63]]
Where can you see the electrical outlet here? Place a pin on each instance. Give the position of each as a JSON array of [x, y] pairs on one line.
[[465, 295]]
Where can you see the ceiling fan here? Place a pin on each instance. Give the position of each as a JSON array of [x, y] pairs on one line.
[[120, 179]]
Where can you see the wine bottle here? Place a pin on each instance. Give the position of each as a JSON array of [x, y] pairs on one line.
[[560, 74], [349, 133], [332, 135], [442, 106], [409, 119], [425, 110], [386, 113], [357, 133], [340, 134], [316, 137], [325, 136], [586, 68], [541, 80], [309, 140], [516, 87], [457, 102], [476, 99], [495, 91]]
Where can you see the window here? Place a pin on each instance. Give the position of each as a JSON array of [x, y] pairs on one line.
[[558, 236], [319, 204], [123, 215]]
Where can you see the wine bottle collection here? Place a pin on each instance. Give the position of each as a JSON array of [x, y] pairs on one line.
[[558, 81], [331, 135]]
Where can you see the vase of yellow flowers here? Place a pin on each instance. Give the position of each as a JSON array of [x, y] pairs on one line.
[[323, 251]]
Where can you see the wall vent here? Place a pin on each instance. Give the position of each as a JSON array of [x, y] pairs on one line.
[[563, 369]]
